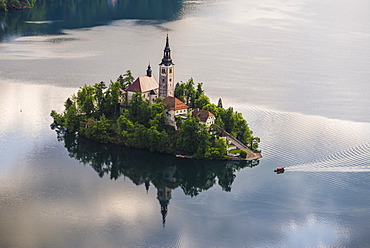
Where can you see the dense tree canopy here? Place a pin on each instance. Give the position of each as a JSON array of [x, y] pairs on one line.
[[192, 136], [96, 112], [6, 5]]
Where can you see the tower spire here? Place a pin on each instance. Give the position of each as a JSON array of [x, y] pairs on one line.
[[147, 184], [164, 197], [166, 60], [164, 212], [166, 73], [149, 71], [167, 43]]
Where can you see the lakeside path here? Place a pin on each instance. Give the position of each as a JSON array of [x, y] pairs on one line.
[[251, 155]]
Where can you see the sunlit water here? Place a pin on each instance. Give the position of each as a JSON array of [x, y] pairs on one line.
[[297, 70]]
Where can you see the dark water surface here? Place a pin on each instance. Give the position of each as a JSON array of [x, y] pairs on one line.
[[297, 70], [51, 17]]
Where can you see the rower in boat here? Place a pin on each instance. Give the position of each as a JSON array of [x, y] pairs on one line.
[[279, 170]]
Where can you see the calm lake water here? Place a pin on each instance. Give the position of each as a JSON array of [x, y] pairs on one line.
[[297, 70]]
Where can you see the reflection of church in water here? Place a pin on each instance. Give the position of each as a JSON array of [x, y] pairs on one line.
[[164, 188], [164, 173], [164, 193]]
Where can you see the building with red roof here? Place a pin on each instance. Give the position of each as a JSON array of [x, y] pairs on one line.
[[174, 108], [149, 87], [146, 85], [205, 117]]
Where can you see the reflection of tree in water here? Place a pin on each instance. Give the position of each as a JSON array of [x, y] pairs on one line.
[[165, 172], [67, 14]]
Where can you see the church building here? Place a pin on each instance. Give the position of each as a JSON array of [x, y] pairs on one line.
[[146, 85], [149, 87]]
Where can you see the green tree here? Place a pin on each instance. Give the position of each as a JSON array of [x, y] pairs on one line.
[[72, 120], [68, 103], [3, 6], [110, 104], [186, 92], [157, 116], [139, 109], [217, 150], [219, 104], [227, 117], [14, 4], [157, 141], [58, 118], [180, 91], [199, 91], [96, 129], [126, 79], [235, 124], [192, 137], [241, 129], [124, 124], [201, 101], [221, 146], [213, 109], [85, 100], [252, 142], [120, 80], [190, 93], [99, 95]]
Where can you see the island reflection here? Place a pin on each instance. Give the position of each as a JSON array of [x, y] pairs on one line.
[[164, 172]]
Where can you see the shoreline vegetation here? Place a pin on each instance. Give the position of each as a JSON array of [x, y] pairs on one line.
[[10, 5], [104, 114]]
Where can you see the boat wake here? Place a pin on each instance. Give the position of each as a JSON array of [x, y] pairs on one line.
[[355, 159]]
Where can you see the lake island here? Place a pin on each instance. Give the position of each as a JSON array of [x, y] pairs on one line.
[[158, 116]]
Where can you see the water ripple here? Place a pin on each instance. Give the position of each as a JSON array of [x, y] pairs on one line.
[[354, 159]]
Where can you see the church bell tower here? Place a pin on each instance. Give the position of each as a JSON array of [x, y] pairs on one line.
[[166, 73]]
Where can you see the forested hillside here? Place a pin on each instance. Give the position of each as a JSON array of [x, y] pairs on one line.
[[6, 5]]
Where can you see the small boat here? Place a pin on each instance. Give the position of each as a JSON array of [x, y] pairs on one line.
[[279, 170]]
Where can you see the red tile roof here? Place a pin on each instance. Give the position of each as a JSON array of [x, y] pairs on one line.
[[143, 84], [173, 103], [202, 114]]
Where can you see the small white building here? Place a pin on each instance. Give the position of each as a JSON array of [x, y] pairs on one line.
[[205, 117], [174, 107]]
